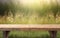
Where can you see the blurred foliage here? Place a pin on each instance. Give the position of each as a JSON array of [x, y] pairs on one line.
[[4, 8], [29, 34], [34, 14]]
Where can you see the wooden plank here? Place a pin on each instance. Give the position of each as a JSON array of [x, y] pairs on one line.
[[9, 27]]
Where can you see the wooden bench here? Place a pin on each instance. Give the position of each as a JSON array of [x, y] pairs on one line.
[[51, 28]]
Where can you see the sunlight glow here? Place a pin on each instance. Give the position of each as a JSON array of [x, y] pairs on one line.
[[30, 2]]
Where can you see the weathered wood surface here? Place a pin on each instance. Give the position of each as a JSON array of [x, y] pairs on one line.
[[48, 27]]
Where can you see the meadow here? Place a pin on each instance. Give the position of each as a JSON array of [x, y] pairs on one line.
[[18, 13], [29, 34]]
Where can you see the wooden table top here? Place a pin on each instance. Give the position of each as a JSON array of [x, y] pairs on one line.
[[10, 27]]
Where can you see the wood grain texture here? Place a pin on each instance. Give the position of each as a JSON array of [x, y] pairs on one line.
[[10, 27]]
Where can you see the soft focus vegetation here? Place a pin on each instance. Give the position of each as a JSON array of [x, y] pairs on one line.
[[15, 12], [29, 34]]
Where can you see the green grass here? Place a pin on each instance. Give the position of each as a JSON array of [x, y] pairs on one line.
[[32, 19], [29, 34]]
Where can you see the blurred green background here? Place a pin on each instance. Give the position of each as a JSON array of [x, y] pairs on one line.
[[29, 12], [29, 34]]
